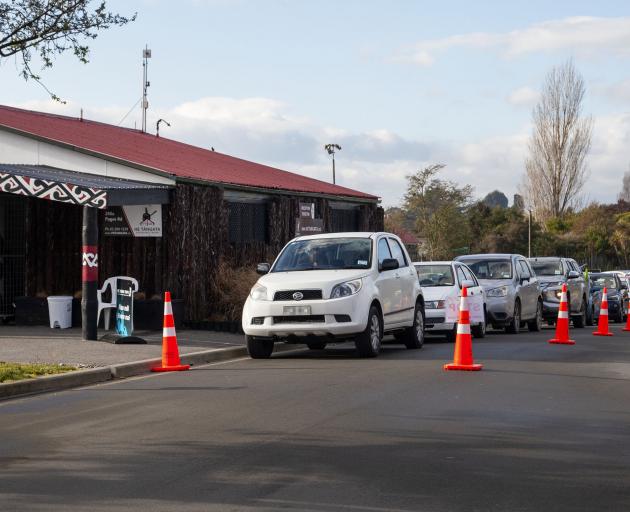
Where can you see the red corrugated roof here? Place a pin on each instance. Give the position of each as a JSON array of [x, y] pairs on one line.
[[406, 236], [170, 156]]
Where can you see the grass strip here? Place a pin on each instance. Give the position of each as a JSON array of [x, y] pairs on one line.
[[10, 372]]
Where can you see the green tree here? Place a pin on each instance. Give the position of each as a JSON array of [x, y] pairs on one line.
[[48, 28], [439, 209]]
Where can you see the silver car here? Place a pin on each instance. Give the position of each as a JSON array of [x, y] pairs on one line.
[[513, 295]]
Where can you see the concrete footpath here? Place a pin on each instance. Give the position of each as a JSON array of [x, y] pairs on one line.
[[100, 361]]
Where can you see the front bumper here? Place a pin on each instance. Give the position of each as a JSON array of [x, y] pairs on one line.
[[434, 321], [329, 318], [500, 310]]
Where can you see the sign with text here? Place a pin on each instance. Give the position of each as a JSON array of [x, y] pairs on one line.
[[133, 220], [307, 210], [475, 305], [307, 226], [124, 307]]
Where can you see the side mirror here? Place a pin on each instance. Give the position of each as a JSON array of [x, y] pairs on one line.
[[389, 264], [573, 274], [595, 288], [263, 268], [523, 279], [466, 283], [624, 286]]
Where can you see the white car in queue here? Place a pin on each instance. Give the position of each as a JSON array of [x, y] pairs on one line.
[[441, 283], [334, 288]]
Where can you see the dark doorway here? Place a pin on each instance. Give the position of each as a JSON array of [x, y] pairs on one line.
[[12, 251]]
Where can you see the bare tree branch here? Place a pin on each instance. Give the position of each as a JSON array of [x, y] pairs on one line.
[[48, 28], [556, 169]]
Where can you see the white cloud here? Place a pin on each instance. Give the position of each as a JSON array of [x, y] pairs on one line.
[[523, 97], [617, 92], [582, 34], [264, 130]]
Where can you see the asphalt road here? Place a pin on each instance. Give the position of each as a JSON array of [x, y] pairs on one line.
[[541, 428]]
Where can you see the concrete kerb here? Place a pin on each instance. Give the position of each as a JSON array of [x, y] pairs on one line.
[[55, 382], [119, 371]]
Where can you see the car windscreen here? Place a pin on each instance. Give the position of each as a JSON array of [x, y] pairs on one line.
[[547, 267], [325, 254], [490, 268], [607, 281], [435, 275]]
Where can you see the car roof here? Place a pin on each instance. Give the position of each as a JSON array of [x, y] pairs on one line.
[[547, 258], [487, 256], [449, 262], [346, 234]]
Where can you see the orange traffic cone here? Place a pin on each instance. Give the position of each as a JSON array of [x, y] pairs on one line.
[[562, 324], [170, 352], [602, 325], [627, 327], [463, 357]]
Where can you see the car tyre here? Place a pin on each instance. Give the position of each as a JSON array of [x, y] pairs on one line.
[[590, 317], [515, 325], [451, 335], [259, 349], [368, 343], [413, 337], [579, 321], [535, 325], [316, 345], [479, 330]]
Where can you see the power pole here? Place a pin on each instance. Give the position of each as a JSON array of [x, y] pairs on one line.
[[146, 55], [529, 235], [330, 148]]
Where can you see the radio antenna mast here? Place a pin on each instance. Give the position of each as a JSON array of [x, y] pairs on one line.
[[146, 55]]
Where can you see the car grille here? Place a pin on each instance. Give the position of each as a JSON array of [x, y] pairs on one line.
[[306, 295], [297, 319]]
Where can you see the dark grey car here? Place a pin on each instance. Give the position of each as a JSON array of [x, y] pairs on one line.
[[552, 273], [513, 295]]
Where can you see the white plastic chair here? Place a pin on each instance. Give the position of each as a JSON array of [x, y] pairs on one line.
[[108, 306]]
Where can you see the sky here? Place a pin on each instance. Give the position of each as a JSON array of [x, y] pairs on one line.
[[398, 84]]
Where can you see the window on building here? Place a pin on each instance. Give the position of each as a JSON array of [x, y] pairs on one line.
[[247, 222], [344, 220]]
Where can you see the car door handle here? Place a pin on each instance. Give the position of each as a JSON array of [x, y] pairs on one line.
[[397, 276]]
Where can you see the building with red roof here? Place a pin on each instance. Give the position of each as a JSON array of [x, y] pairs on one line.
[[169, 214]]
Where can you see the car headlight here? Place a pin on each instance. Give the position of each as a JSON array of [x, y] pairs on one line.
[[259, 292], [435, 304], [553, 294], [551, 285], [346, 289], [501, 291]]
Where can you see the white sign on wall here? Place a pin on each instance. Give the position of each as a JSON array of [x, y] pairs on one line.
[[144, 220], [137, 221]]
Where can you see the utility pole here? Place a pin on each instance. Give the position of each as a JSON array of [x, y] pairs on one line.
[[330, 148], [529, 234], [146, 55]]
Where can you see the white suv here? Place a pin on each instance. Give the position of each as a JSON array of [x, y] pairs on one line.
[[335, 287]]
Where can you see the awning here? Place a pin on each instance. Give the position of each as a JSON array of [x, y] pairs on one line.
[[78, 188]]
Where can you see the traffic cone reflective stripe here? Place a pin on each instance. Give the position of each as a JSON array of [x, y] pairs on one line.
[[463, 357], [562, 324], [170, 351], [602, 325]]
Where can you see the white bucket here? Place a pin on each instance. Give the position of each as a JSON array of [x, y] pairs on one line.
[[60, 311]]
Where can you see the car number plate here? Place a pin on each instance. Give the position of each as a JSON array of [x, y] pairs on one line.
[[297, 310]]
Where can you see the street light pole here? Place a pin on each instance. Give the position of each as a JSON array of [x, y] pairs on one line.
[[330, 148]]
